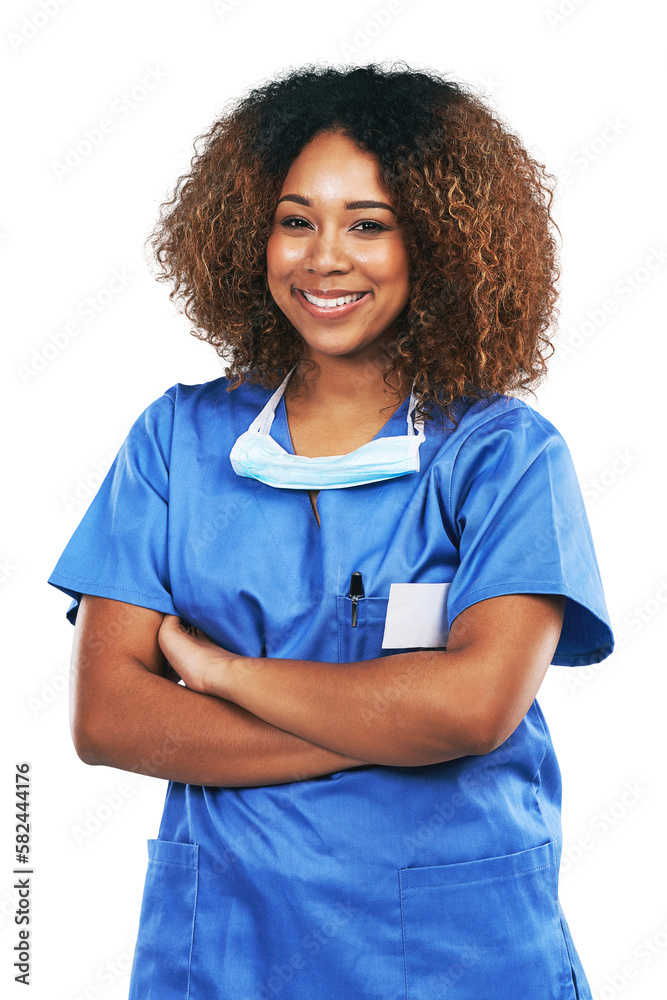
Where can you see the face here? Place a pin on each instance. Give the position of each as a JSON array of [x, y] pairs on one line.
[[335, 237]]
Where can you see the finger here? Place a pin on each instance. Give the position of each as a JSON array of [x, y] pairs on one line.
[[187, 627]]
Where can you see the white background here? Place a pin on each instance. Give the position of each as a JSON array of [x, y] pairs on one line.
[[582, 84]]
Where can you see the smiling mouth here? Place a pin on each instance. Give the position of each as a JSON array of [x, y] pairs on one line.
[[342, 300]]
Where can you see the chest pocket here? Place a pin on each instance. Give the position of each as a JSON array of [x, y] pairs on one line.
[[362, 641], [412, 618]]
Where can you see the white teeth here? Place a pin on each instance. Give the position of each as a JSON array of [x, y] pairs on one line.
[[331, 303]]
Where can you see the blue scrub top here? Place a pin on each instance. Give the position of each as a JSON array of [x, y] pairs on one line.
[[379, 882]]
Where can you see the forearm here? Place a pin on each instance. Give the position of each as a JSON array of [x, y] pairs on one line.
[[157, 727], [401, 710]]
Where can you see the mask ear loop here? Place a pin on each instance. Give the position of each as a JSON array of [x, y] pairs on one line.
[[262, 422], [417, 423]]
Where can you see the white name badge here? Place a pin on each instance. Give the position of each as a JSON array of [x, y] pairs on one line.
[[416, 616]]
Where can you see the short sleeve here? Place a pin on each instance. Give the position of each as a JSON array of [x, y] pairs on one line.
[[517, 512], [119, 548]]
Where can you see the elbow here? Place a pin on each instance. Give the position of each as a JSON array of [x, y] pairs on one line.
[[85, 751], [482, 745], [487, 735], [85, 743], [475, 737]]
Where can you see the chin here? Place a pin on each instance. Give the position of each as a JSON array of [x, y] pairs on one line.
[[336, 349]]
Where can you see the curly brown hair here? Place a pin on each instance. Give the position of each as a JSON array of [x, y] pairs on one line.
[[473, 204]]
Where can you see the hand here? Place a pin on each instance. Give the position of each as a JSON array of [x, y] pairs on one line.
[[193, 656]]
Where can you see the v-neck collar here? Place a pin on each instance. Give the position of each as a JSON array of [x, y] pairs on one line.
[[339, 509], [280, 431]]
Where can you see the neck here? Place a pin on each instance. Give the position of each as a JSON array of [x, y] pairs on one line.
[[346, 384]]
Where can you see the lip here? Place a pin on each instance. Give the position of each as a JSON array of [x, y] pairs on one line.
[[335, 312], [332, 293]]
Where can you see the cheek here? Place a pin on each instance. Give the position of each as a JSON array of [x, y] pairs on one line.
[[387, 258], [273, 257], [390, 268], [277, 269], [399, 261], [282, 256]]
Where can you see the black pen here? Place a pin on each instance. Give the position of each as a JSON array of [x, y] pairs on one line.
[[356, 591]]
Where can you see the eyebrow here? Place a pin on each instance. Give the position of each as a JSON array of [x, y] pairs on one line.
[[349, 205]]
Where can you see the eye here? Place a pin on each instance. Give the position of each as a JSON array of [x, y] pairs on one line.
[[287, 223], [377, 227], [296, 222]]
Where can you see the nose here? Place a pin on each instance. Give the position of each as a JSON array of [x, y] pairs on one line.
[[326, 252]]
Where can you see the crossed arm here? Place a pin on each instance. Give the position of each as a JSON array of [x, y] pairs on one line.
[[256, 721]]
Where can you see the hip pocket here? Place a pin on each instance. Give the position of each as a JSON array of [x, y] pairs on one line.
[[488, 928], [163, 953]]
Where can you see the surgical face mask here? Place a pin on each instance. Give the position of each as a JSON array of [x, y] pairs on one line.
[[256, 455]]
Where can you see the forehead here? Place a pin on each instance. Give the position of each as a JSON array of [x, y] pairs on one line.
[[333, 167]]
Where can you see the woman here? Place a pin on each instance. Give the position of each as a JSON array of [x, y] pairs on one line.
[[358, 552]]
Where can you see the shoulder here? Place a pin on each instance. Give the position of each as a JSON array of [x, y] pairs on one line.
[[215, 396], [505, 422], [499, 443], [207, 415], [184, 403]]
